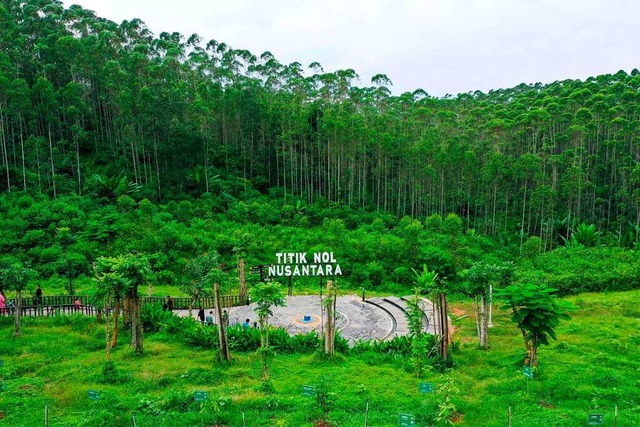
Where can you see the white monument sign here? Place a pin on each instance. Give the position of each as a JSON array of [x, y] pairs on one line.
[[292, 264]]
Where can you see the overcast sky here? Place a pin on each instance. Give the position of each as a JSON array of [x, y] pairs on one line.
[[441, 46]]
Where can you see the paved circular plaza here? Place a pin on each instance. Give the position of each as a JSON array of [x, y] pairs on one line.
[[355, 319], [379, 318]]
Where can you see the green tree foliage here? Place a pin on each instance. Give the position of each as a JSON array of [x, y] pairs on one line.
[[89, 106], [15, 277], [424, 281], [481, 279], [537, 313], [200, 275], [266, 296], [585, 235], [123, 275]]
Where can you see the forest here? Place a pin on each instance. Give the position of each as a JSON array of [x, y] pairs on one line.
[[86, 103], [115, 140]]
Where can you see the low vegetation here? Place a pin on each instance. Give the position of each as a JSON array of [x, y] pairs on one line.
[[591, 368]]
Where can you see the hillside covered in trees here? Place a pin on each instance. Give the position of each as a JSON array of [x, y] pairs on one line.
[[89, 106]]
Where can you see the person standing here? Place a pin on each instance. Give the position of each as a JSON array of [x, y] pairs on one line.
[[38, 299], [225, 318], [169, 303], [3, 302], [210, 318], [201, 315]]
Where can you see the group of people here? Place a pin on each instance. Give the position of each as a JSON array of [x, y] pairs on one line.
[[209, 319], [9, 307]]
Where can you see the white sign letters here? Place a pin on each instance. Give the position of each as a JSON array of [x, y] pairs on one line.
[[291, 264]]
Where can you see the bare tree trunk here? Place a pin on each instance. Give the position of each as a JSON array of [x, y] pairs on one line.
[[484, 340], [5, 157], [476, 308], [16, 332], [107, 330], [116, 315], [533, 352], [222, 331], [53, 170], [444, 326], [77, 144], [329, 336], [436, 321], [243, 282], [126, 311], [136, 323]]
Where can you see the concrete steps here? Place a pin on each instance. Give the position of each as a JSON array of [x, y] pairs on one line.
[[397, 313], [397, 308]]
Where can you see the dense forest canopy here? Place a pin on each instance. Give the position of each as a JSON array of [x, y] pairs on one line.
[[91, 106]]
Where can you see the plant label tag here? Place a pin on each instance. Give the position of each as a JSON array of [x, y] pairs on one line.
[[308, 391], [406, 420], [426, 387], [200, 396]]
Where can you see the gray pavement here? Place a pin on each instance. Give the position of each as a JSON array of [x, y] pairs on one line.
[[377, 319]]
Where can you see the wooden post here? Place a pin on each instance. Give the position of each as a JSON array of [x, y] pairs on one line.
[[243, 282], [366, 415], [329, 334], [222, 331], [444, 326], [136, 322]]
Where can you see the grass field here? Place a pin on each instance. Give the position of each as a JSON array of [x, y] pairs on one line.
[[592, 367]]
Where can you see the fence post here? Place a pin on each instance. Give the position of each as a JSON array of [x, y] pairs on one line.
[[366, 415]]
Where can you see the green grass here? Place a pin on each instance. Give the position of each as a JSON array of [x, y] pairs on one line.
[[591, 368]]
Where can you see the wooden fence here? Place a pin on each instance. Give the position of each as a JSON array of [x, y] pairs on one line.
[[65, 304]]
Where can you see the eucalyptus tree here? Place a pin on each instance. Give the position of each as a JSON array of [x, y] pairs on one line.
[[19, 110], [44, 96], [4, 140], [481, 279]]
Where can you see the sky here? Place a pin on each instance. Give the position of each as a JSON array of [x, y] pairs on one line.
[[440, 46]]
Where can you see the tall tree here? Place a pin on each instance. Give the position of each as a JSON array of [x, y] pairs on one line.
[[15, 277], [128, 272]]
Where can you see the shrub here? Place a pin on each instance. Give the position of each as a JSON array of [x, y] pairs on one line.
[[110, 373], [154, 318]]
